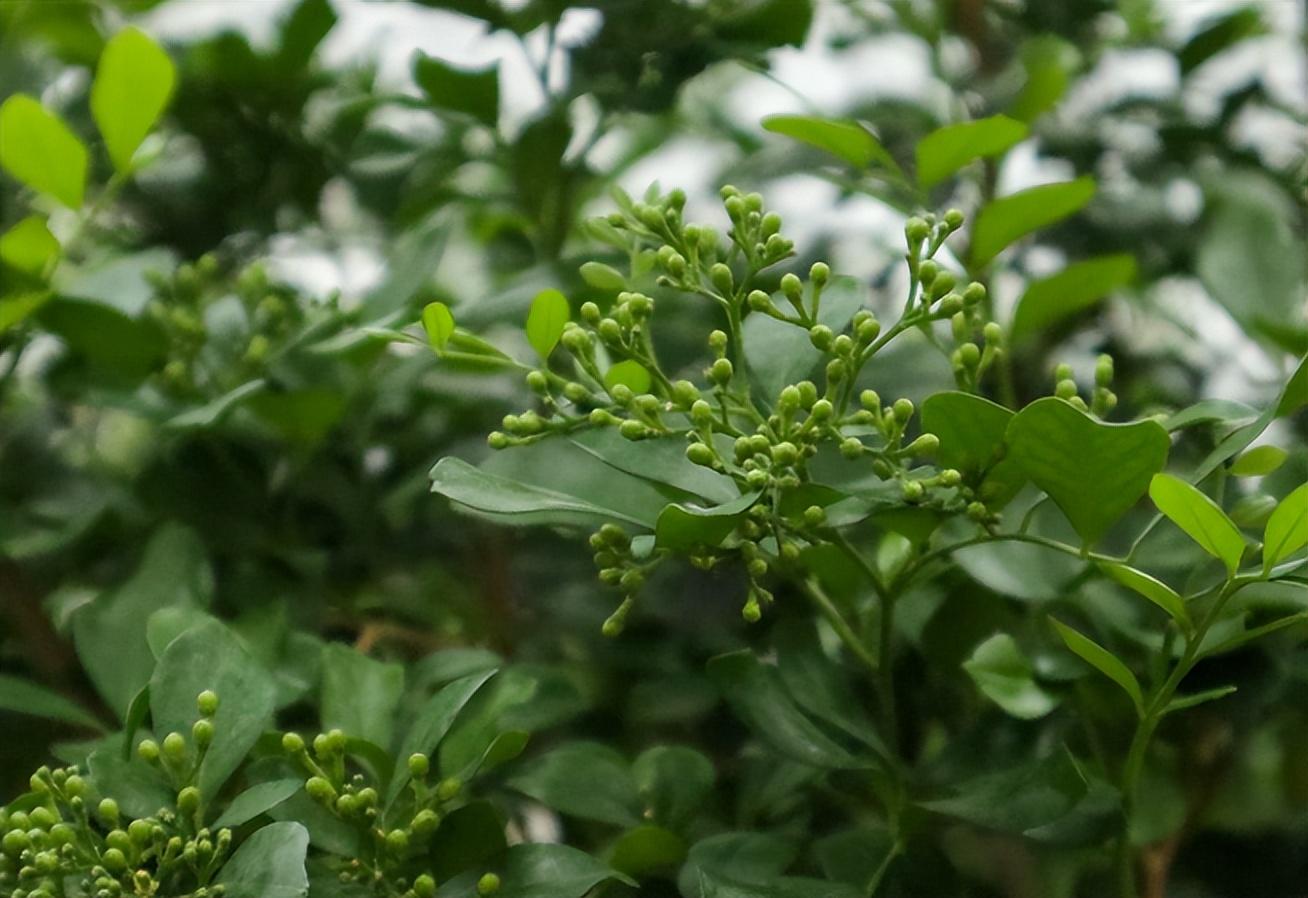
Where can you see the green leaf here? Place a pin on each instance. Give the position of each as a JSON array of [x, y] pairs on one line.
[[755, 694], [946, 150], [269, 864], [583, 779], [29, 247], [1152, 589], [18, 696], [433, 722], [681, 528], [1182, 702], [1259, 461], [1103, 661], [545, 322], [1094, 471], [132, 86], [673, 783], [647, 849], [1005, 220], [741, 857], [1201, 518], [121, 346], [768, 23], [1005, 676], [210, 656], [110, 632], [1287, 529], [302, 32], [1076, 288], [438, 321], [817, 684], [474, 92], [631, 374], [139, 789], [971, 430], [602, 277], [1021, 799], [469, 838], [257, 800], [537, 871], [661, 461], [137, 712], [1048, 61], [38, 149], [14, 310], [780, 354], [1226, 31], [359, 694], [845, 140]]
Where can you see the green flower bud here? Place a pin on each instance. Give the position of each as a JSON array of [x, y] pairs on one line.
[[974, 293], [113, 860], [819, 273], [15, 842], [497, 440], [631, 581], [685, 393], [950, 306], [954, 219], [1104, 371], [207, 703], [41, 818], [789, 399], [977, 511], [397, 841], [320, 790], [701, 412], [368, 797], [174, 747], [107, 811], [1065, 389], [721, 372], [926, 444], [590, 313], [418, 765], [449, 788], [722, 279], [870, 400], [424, 886], [425, 822], [489, 884], [950, 477], [717, 341], [993, 333], [751, 611], [632, 429], [969, 354], [851, 447], [822, 410], [575, 392], [902, 410], [757, 567], [735, 207], [188, 800], [622, 394], [148, 751], [759, 301], [836, 371], [140, 832], [537, 382], [916, 230], [814, 516], [610, 332], [942, 284], [868, 331], [821, 337], [927, 273], [700, 454], [1063, 372], [913, 491], [843, 345], [808, 393], [202, 734], [785, 454], [120, 840], [757, 479], [75, 786]]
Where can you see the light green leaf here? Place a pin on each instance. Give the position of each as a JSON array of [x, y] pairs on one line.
[[269, 864], [1093, 471], [18, 696], [631, 374], [38, 149], [1006, 220], [133, 84], [359, 694], [14, 310], [1182, 702], [209, 656], [474, 92], [755, 693], [1048, 61], [683, 527], [257, 800], [1287, 529], [1152, 589], [1005, 676], [29, 247], [946, 150], [1259, 461], [546, 320], [1077, 287], [1103, 661], [583, 779], [1201, 518], [438, 321], [433, 722], [846, 140], [602, 277]]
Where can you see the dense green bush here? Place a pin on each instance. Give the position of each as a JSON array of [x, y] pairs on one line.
[[997, 545]]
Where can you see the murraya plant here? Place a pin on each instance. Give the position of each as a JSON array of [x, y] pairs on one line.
[[778, 458]]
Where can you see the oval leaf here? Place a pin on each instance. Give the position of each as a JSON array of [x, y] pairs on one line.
[[133, 84], [438, 321], [1201, 518], [629, 373], [1259, 461], [549, 313], [846, 140], [1007, 219], [1077, 287], [1152, 589], [38, 149], [946, 150], [1005, 676], [1103, 661], [1287, 529]]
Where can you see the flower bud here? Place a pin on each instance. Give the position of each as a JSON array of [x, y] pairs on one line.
[[721, 277], [814, 516], [916, 230], [836, 371], [700, 454], [759, 301], [424, 886], [397, 841], [721, 372], [785, 454], [851, 447], [537, 382], [1104, 371], [174, 748], [993, 333], [868, 331], [497, 440], [148, 751], [418, 765], [188, 800], [926, 444], [913, 491], [1065, 389], [974, 293], [425, 822], [632, 429], [202, 734], [819, 273], [927, 273], [950, 477], [822, 410], [685, 393], [449, 788], [489, 884], [320, 790], [969, 354], [113, 860], [701, 412], [107, 811], [717, 341], [207, 703]]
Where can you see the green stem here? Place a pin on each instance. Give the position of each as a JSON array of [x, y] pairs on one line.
[[879, 874], [843, 630]]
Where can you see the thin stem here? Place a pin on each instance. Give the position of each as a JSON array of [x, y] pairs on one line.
[[879, 874], [843, 630]]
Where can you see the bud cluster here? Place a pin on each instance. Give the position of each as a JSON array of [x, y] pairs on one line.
[[1102, 399]]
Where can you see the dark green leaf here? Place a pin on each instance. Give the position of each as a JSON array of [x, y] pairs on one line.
[[1103, 661], [538, 871], [673, 783], [474, 92], [1006, 677], [269, 864], [257, 800], [1183, 702], [583, 779], [1021, 799], [681, 528], [769, 23], [647, 849], [1228, 29], [19, 696], [359, 694], [433, 722]]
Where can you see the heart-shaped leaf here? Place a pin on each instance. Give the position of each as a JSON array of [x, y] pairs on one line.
[[1094, 471]]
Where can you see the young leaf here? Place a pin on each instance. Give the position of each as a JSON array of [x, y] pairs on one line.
[[474, 92], [29, 247], [602, 277], [18, 696], [1094, 471], [1077, 287], [946, 150], [38, 149], [549, 313], [1259, 461], [438, 321], [269, 864], [1152, 589], [359, 694], [1182, 702], [433, 722], [1201, 518], [1005, 220], [1103, 661], [846, 140], [682, 527], [630, 373], [257, 800], [583, 779], [1287, 529], [133, 84], [1005, 676]]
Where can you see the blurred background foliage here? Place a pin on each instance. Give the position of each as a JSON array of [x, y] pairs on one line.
[[208, 410]]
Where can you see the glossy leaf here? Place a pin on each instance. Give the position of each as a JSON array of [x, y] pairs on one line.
[[209, 657], [438, 321], [1077, 287], [1200, 517], [473, 92], [1287, 529], [29, 247], [845, 140], [132, 86], [1259, 461], [660, 461], [1152, 589], [359, 694], [258, 799], [1005, 676], [433, 722], [18, 696], [1010, 218], [1103, 661], [754, 692], [583, 779], [549, 313], [683, 527], [1093, 471], [971, 430], [269, 864], [946, 150], [37, 148]]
